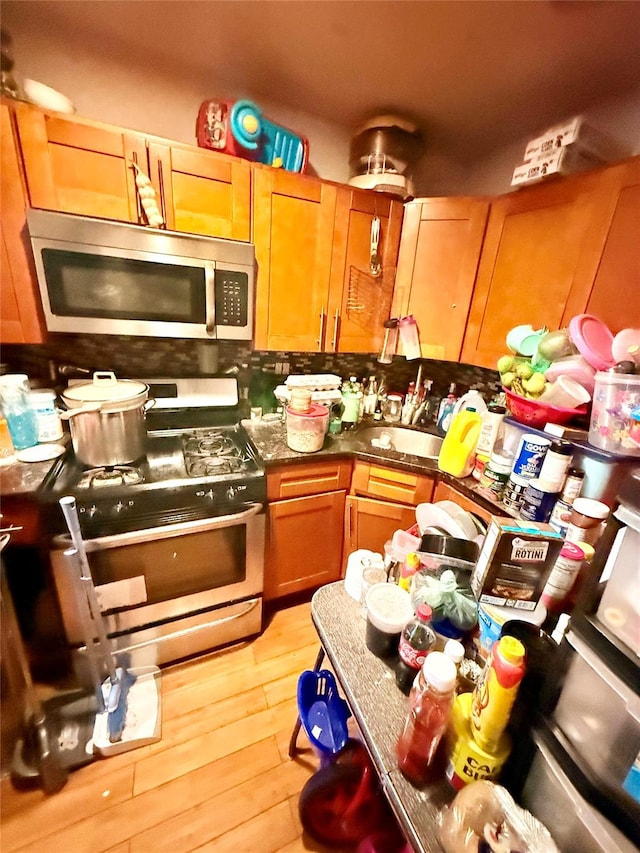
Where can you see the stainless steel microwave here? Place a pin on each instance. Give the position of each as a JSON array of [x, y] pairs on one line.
[[97, 276]]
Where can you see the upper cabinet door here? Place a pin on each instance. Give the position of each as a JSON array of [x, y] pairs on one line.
[[202, 192], [541, 243], [21, 320], [439, 255], [293, 219], [78, 167], [360, 302], [613, 293]]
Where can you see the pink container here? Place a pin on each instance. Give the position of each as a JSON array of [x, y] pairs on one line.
[[576, 367]]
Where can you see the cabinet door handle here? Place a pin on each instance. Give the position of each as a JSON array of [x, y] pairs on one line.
[[322, 319], [335, 330]]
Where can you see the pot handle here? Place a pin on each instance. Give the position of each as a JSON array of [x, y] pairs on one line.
[[67, 414], [104, 377], [149, 404]]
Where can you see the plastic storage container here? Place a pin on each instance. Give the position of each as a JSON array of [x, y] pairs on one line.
[[388, 611], [306, 430], [16, 407], [612, 426]]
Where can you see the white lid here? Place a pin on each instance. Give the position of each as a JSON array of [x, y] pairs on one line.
[[454, 649], [440, 671], [389, 607], [43, 394], [591, 508], [14, 379], [105, 388]]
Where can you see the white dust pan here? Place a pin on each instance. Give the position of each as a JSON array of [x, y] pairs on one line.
[[142, 720]]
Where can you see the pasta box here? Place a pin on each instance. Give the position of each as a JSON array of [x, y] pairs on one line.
[[515, 562]]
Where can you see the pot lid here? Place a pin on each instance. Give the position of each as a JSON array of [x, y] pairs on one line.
[[105, 388]]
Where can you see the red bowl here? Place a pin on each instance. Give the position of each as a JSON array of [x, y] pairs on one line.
[[536, 414]]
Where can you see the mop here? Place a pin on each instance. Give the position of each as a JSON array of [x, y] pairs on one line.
[[129, 699]]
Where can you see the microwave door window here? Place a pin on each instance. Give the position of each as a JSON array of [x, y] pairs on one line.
[[105, 287]]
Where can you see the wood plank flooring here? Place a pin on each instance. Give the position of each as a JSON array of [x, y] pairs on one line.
[[220, 779]]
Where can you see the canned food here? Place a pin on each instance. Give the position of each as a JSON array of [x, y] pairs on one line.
[[530, 455]]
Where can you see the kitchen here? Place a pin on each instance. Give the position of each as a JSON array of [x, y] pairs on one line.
[[132, 357]]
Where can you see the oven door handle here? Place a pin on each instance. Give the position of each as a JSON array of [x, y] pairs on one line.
[[185, 632], [136, 537]]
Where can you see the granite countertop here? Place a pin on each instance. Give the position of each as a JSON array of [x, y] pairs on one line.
[[270, 439], [24, 478]]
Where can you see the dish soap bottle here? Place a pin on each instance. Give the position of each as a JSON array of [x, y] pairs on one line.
[[445, 411], [457, 454]]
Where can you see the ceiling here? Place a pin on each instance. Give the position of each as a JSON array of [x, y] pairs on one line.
[[473, 75]]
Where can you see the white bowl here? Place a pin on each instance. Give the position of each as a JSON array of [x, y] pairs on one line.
[[46, 97], [461, 516]]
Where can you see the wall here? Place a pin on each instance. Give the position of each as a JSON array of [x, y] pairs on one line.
[[123, 89]]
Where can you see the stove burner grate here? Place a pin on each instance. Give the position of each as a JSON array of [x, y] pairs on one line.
[[212, 453], [116, 475]]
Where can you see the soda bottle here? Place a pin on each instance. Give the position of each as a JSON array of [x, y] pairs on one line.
[[495, 694], [427, 720], [416, 641]]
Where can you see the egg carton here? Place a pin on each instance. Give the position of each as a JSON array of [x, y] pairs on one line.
[[314, 382], [326, 397]]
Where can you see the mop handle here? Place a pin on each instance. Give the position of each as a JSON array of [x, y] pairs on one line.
[[68, 504]]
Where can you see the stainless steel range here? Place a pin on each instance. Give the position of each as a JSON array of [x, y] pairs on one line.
[[175, 540]]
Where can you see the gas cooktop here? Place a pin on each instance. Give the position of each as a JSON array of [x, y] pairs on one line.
[[198, 463]]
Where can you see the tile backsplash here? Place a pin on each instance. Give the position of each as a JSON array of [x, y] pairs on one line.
[[130, 357]]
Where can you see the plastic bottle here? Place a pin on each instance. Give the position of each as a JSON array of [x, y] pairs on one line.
[[457, 453], [351, 393], [416, 641], [371, 396], [16, 405], [563, 576], [408, 570], [429, 713], [556, 463], [473, 399], [7, 450], [445, 410], [495, 694], [492, 424]]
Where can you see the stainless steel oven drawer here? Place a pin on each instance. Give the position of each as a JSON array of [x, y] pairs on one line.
[[180, 638]]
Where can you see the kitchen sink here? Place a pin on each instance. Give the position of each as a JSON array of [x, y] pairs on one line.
[[401, 439]]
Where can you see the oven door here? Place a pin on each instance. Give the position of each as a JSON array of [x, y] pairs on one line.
[[160, 576]]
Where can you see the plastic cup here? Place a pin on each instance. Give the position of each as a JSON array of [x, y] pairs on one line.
[[565, 393]]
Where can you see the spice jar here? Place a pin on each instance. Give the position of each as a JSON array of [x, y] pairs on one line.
[[556, 463]]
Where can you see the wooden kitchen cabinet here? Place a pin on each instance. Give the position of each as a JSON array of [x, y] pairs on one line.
[[551, 252], [21, 319], [381, 501], [79, 166], [313, 242], [437, 264], [445, 492], [305, 526]]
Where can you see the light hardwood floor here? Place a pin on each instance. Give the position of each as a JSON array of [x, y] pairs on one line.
[[219, 779]]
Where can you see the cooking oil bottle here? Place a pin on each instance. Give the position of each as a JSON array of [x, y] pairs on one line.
[[495, 694]]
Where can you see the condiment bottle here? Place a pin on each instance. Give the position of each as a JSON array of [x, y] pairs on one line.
[[555, 464], [408, 570], [416, 641], [429, 712], [563, 576], [561, 512], [495, 694]]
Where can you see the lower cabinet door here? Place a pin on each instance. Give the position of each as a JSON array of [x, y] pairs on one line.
[[304, 543], [370, 523]]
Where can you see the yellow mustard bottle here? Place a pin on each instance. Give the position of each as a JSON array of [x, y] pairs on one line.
[[457, 453], [495, 694]]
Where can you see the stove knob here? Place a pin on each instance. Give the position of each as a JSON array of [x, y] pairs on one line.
[[119, 507], [92, 510], [231, 493]]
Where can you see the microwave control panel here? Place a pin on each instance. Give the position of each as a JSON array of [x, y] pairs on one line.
[[232, 298]]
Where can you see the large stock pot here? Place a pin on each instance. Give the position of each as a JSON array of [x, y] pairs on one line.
[[107, 419]]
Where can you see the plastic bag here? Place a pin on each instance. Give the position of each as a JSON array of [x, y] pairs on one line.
[[449, 598], [484, 816]]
